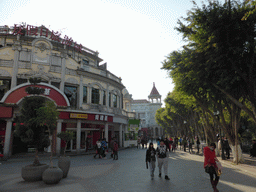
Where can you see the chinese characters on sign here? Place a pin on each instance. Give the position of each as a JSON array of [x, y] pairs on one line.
[[101, 118], [42, 32], [47, 91]]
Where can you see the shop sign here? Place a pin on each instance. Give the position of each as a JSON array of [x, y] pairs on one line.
[[134, 127], [78, 116], [31, 30], [101, 118]]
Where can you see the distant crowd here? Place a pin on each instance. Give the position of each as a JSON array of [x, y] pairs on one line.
[[102, 148]]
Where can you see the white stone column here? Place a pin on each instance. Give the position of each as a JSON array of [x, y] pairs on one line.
[[7, 143], [78, 137], [121, 135], [63, 73], [15, 66], [58, 143], [80, 97], [107, 98], [89, 95], [101, 97], [106, 131]]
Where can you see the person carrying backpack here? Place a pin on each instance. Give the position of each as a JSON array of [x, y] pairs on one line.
[[162, 159]]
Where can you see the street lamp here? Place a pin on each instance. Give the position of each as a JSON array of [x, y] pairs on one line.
[[185, 122]]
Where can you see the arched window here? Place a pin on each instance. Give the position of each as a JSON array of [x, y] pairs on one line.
[[95, 96]]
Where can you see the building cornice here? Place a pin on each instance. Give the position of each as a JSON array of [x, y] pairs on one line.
[[100, 77]]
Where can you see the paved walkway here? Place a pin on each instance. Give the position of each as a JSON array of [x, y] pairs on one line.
[[248, 166], [129, 174]]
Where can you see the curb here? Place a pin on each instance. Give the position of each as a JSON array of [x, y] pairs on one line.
[[47, 156]]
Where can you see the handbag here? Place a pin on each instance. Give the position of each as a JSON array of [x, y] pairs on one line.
[[219, 170], [207, 169]]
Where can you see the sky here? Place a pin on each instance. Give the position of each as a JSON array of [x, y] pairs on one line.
[[132, 36]]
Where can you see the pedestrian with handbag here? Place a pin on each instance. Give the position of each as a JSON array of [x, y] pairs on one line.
[[210, 165], [151, 159], [162, 159]]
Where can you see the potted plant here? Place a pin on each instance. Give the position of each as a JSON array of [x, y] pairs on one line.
[[64, 161], [48, 116], [29, 131]]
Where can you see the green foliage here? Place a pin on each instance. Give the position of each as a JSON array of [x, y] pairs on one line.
[[27, 127], [66, 136], [219, 54], [47, 115]]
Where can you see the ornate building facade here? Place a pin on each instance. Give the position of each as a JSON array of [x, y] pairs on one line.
[[87, 95], [145, 111]]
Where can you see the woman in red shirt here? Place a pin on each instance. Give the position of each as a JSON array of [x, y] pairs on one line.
[[210, 165]]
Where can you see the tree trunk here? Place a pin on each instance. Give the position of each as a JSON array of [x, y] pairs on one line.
[[51, 163], [240, 154], [36, 160]]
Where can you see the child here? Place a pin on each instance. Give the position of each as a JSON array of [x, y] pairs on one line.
[[115, 150]]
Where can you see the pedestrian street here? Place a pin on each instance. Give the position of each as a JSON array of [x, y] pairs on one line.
[[129, 174]]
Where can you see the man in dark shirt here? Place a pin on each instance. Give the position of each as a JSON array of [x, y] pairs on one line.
[[162, 159]]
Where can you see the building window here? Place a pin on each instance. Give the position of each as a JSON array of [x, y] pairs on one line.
[[109, 99], [71, 93], [55, 84], [104, 97], [21, 81], [85, 95], [84, 61], [114, 100], [5, 85], [95, 96]]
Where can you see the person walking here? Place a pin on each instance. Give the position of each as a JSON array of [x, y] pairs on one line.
[[167, 143], [162, 159], [226, 147], [158, 142], [138, 142], [176, 141], [210, 165], [190, 145], [180, 140], [142, 142], [253, 149], [115, 151], [151, 159], [184, 143], [104, 147], [98, 149]]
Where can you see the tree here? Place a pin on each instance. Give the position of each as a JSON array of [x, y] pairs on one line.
[[217, 61], [47, 115], [67, 137], [27, 127]]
